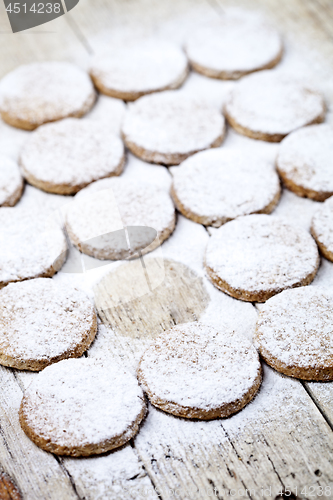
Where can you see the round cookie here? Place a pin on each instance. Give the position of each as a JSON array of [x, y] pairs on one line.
[[322, 228], [254, 257], [42, 322], [294, 333], [305, 162], [82, 407], [234, 45], [268, 106], [42, 92], [66, 156], [167, 127], [132, 71], [11, 182], [30, 248], [195, 371], [217, 185], [95, 220]]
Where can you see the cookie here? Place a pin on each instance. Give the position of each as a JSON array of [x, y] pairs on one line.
[[234, 45], [167, 127], [82, 407], [132, 71], [305, 162], [268, 106], [66, 156], [42, 322], [11, 183], [255, 257], [30, 247], [95, 221], [322, 228], [196, 371], [42, 92], [217, 185], [294, 333]]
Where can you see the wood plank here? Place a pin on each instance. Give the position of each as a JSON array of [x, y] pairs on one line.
[[35, 472], [52, 41]]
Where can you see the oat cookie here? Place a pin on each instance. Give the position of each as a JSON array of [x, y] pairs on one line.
[[305, 162], [217, 185], [195, 371], [30, 246], [268, 106], [42, 322], [236, 44], [96, 219], [42, 92], [11, 182], [254, 257], [66, 156], [167, 127], [322, 228], [294, 333], [82, 407], [132, 71]]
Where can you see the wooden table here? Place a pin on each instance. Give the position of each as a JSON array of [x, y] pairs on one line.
[[282, 441]]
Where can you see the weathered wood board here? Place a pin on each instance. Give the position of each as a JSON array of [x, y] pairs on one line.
[[283, 440]]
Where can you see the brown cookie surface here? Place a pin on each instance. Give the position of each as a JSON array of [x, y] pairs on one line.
[[42, 92], [294, 333], [82, 407], [42, 322], [195, 371], [322, 228], [255, 257], [268, 106], [167, 127]]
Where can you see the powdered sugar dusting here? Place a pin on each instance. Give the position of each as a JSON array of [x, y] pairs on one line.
[[306, 158], [273, 103], [171, 122], [145, 67], [235, 44], [82, 402], [295, 327], [46, 91], [259, 252], [41, 320], [29, 248], [215, 368], [322, 224], [110, 204], [71, 152], [11, 183], [220, 184]]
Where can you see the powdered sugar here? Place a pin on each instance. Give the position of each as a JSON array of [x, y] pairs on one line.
[[322, 225], [217, 185], [111, 204], [215, 368], [171, 123], [306, 158], [67, 155], [133, 70], [78, 403], [11, 183], [47, 91], [261, 253], [29, 248], [295, 328], [233, 45], [273, 103], [41, 321]]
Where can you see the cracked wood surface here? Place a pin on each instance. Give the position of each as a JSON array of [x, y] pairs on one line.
[[281, 440]]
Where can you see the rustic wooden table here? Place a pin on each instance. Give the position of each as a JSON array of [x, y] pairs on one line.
[[279, 446]]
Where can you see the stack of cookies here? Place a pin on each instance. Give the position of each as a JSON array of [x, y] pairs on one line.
[[85, 406]]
